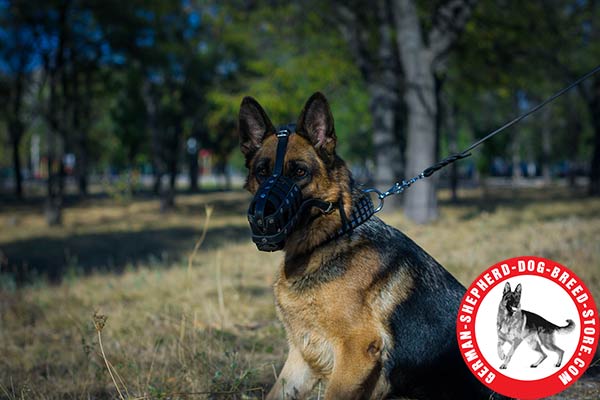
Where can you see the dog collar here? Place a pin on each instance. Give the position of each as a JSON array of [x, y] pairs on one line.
[[362, 210]]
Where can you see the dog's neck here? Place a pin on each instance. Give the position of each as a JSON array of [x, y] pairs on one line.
[[506, 310]]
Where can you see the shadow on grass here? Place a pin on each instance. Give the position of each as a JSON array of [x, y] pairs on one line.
[[224, 207], [53, 258], [519, 198]]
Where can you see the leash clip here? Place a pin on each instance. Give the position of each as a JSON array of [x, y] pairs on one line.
[[380, 196], [396, 188]]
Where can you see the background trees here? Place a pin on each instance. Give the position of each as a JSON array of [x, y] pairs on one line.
[[112, 87]]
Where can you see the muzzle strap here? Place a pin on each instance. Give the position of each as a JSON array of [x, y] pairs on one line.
[[283, 134]]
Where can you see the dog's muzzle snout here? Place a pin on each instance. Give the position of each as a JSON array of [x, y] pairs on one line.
[[274, 212], [275, 209]]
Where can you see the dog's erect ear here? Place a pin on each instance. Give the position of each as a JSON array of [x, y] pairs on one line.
[[518, 292], [254, 126], [316, 124], [506, 288]]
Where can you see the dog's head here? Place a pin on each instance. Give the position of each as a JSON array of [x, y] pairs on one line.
[[511, 300], [310, 162]]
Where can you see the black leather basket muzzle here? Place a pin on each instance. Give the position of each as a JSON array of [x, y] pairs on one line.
[[274, 212], [276, 207]]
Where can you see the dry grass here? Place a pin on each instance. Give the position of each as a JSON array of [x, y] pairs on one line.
[[211, 330]]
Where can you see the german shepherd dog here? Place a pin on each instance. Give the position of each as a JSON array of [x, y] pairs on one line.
[[515, 325], [370, 313]]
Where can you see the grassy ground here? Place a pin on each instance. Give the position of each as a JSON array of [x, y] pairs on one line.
[[210, 330]]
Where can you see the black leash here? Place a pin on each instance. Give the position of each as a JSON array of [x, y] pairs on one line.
[[399, 187]]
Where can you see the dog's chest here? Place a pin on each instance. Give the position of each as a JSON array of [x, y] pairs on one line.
[[511, 326], [316, 319], [312, 324]]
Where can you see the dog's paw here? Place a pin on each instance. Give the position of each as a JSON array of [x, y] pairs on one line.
[[557, 364], [503, 366], [533, 365]]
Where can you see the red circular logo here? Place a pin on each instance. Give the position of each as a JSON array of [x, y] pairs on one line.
[[527, 327]]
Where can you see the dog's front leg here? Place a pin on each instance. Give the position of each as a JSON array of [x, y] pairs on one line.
[[501, 342], [513, 347], [295, 380], [356, 370]]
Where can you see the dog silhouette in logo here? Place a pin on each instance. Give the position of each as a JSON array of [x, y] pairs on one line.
[[515, 325]]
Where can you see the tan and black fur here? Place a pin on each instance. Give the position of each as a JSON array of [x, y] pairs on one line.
[[370, 314], [516, 325]]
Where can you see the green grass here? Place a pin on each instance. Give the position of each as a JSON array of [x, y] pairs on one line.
[[211, 330]]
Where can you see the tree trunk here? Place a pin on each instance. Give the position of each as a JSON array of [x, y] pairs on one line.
[[82, 176], [192, 155], [16, 127], [81, 123], [515, 149], [420, 202], [451, 113], [546, 132], [224, 167], [53, 204], [167, 196], [575, 128], [421, 60], [56, 116], [157, 181], [193, 172], [388, 157], [80, 131], [381, 72], [169, 200], [388, 129], [155, 137], [15, 135], [594, 106]]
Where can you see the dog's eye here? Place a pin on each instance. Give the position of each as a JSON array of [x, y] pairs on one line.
[[300, 172], [262, 172]]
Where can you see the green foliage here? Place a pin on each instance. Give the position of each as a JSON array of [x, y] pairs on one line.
[[196, 60], [128, 114], [281, 64], [513, 55]]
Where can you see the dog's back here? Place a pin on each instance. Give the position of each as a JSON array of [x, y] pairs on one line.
[[538, 324]]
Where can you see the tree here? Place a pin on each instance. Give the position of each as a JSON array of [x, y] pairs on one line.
[[575, 22], [17, 51], [423, 53], [294, 53], [53, 28], [159, 44], [526, 53], [129, 117], [368, 32]]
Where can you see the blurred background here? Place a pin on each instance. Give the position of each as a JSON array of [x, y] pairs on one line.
[[119, 156]]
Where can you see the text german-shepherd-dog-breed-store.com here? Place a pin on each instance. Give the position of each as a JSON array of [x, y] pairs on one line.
[[366, 311]]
